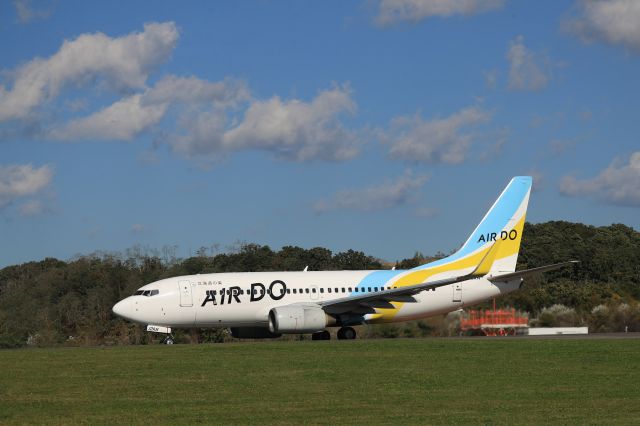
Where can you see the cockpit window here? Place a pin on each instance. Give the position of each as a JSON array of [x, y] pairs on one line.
[[147, 293]]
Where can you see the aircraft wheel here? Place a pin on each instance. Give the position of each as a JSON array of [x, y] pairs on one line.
[[321, 335], [346, 333]]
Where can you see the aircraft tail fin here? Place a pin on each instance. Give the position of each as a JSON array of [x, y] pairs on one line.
[[494, 244], [501, 228]]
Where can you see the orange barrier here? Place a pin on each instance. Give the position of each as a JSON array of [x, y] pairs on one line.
[[496, 322]]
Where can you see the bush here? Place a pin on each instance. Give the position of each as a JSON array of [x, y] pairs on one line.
[[557, 316]]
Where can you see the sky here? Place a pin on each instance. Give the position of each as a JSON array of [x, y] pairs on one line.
[[387, 126]]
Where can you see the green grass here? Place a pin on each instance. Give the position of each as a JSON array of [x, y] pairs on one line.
[[451, 381]]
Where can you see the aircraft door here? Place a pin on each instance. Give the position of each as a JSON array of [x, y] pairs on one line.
[[457, 293], [186, 293]]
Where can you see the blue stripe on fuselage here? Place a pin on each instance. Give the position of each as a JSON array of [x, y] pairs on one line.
[[377, 279]]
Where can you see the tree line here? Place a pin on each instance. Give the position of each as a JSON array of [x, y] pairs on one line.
[[54, 302]]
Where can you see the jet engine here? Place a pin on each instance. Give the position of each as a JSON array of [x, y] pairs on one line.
[[298, 319]]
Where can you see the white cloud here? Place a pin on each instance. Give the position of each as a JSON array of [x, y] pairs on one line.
[[298, 130], [192, 90], [122, 63], [618, 184], [199, 119], [392, 12], [441, 140], [611, 21], [293, 130], [22, 180], [27, 12], [391, 193], [202, 136], [128, 117], [122, 120], [527, 70]]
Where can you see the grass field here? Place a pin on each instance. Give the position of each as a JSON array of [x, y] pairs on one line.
[[486, 381]]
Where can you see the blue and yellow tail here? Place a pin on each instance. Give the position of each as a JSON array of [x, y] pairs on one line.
[[501, 226], [491, 249]]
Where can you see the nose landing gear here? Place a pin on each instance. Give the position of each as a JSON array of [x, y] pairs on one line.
[[168, 340]]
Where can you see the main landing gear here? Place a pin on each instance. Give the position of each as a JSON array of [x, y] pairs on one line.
[[321, 335], [346, 333]]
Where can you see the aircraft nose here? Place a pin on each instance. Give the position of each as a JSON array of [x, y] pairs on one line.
[[123, 308]]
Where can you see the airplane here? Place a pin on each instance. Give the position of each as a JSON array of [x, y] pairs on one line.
[[269, 304]]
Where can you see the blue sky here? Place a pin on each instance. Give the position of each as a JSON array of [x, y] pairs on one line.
[[384, 126]]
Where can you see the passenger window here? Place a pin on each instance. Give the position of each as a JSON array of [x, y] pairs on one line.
[[375, 289], [349, 289], [321, 290], [329, 290], [313, 290], [288, 291], [369, 289], [336, 289], [343, 289], [306, 290]]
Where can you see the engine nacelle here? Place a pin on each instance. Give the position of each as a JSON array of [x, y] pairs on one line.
[[298, 319]]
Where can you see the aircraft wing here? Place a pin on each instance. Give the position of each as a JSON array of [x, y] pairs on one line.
[[365, 303]]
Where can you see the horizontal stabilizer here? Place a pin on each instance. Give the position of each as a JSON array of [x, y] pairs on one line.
[[526, 272]]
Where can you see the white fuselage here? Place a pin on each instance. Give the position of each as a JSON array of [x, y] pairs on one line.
[[245, 299]]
